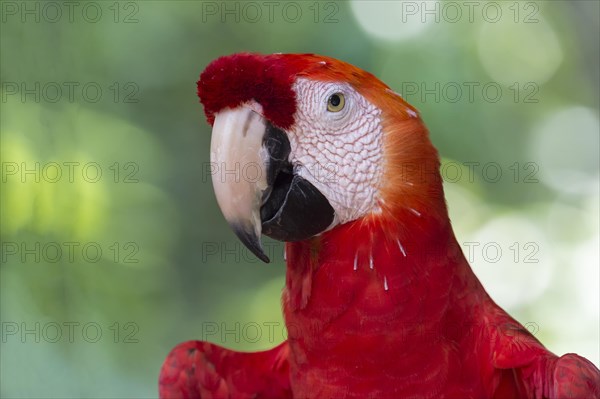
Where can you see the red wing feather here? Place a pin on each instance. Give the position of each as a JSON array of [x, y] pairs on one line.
[[197, 369]]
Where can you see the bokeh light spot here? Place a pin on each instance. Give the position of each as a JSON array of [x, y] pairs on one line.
[[519, 52], [565, 146], [512, 257], [392, 20]]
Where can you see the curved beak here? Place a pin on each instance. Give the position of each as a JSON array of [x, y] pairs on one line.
[[255, 184], [236, 152]]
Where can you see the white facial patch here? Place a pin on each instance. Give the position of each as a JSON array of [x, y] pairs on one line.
[[341, 152]]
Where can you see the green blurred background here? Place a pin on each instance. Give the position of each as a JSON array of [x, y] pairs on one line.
[[114, 249]]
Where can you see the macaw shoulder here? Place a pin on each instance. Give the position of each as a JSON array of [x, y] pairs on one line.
[[511, 344], [537, 372]]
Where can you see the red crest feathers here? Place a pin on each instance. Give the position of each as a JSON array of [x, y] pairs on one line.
[[234, 79]]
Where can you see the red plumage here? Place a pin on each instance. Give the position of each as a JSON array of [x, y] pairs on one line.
[[235, 79], [197, 369], [382, 307]]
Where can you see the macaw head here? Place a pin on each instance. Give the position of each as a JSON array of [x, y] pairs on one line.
[[304, 143]]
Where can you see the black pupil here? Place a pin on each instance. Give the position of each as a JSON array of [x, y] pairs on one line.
[[334, 100]]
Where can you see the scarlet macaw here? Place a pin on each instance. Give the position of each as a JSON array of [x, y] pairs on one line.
[[382, 301]]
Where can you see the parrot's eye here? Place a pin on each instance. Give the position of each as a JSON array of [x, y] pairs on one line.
[[336, 102]]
